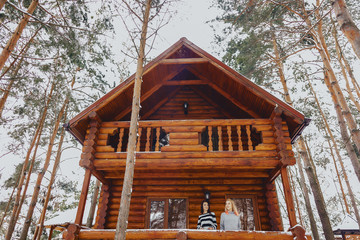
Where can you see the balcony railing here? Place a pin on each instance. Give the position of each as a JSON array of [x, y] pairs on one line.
[[188, 135]]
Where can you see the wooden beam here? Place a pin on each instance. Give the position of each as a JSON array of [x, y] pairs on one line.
[[150, 92], [184, 61], [191, 234], [178, 174], [288, 197], [265, 124], [159, 104], [224, 93], [186, 82], [83, 196], [211, 102], [176, 155], [185, 163], [234, 101]]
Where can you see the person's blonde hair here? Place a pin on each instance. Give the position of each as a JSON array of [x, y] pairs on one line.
[[233, 206]]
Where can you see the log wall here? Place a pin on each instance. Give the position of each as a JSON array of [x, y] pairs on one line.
[[185, 174]]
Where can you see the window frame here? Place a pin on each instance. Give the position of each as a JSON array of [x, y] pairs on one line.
[[254, 199], [166, 210]]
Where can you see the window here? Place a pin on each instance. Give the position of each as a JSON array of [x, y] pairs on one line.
[[167, 213], [248, 211]]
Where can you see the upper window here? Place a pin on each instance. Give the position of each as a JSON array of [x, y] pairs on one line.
[[248, 211], [167, 213]]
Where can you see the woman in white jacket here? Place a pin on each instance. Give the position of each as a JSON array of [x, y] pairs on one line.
[[230, 219]]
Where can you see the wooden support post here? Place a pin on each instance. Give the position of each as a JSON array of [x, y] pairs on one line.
[[82, 201], [288, 197]]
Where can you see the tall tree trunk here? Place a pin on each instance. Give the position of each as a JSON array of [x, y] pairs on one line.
[[15, 72], [296, 198], [301, 149], [122, 220], [15, 211], [42, 173], [93, 204], [350, 151], [40, 226], [9, 202], [2, 3], [309, 210], [15, 37], [319, 39], [347, 25], [343, 71], [318, 196]]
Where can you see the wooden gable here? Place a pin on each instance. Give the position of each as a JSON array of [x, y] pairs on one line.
[[185, 67]]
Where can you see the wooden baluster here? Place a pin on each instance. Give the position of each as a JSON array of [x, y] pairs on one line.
[[220, 138], [148, 133], [157, 145], [121, 134], [138, 140], [249, 137], [229, 140], [210, 138], [239, 138]]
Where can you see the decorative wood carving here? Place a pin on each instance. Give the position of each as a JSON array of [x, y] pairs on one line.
[[273, 207], [87, 157], [103, 207]]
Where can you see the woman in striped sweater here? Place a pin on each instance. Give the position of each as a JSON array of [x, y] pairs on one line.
[[207, 219]]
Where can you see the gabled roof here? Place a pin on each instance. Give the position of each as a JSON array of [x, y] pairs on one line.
[[185, 64]]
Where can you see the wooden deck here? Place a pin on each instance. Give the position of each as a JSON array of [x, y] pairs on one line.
[[185, 234]]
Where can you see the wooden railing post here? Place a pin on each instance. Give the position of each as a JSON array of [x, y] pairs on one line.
[[157, 145], [147, 145], [238, 128], [138, 140], [220, 138], [210, 138], [121, 135], [248, 132], [229, 136]]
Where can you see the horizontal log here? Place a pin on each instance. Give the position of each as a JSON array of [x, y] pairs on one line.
[[185, 163], [200, 122], [184, 182], [174, 155], [183, 129], [190, 233], [116, 190], [190, 174], [174, 141], [184, 148], [188, 135]]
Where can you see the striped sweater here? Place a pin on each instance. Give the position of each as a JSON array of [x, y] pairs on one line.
[[206, 221]]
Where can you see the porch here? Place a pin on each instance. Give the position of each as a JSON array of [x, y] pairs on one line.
[[184, 234]]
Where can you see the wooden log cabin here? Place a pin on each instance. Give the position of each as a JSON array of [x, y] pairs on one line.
[[204, 128]]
